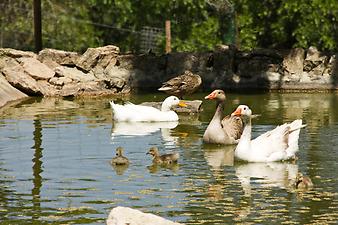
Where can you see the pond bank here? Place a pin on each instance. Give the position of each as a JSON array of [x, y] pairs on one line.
[[105, 71]]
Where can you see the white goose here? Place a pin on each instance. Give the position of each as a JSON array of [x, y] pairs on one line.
[[278, 144], [140, 113]]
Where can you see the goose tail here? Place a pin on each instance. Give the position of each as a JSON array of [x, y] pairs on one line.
[[294, 132]]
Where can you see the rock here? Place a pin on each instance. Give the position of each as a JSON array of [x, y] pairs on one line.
[[93, 56], [293, 62], [47, 89], [74, 74], [124, 215], [13, 53], [71, 89], [17, 77], [58, 57], [314, 55], [8, 92], [60, 81], [36, 69]]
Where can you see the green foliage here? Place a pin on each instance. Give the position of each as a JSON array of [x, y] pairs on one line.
[[287, 23], [197, 25]]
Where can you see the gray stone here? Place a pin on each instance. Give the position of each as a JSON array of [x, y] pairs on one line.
[[58, 57], [60, 81], [36, 69], [314, 55], [47, 89], [71, 89], [16, 53], [17, 77], [293, 62], [8, 92], [74, 74], [92, 56], [124, 215]]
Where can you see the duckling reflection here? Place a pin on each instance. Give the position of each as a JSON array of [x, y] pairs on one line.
[[155, 167], [273, 174], [120, 163], [218, 156]]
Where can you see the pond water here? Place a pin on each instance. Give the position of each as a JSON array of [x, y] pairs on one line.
[[54, 164]]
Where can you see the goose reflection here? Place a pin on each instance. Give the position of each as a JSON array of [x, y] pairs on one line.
[[273, 174], [143, 129], [218, 156]]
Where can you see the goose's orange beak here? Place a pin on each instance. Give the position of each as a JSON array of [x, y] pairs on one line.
[[212, 95], [182, 104], [237, 112]]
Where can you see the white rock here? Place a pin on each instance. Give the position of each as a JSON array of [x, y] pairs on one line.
[[124, 215]]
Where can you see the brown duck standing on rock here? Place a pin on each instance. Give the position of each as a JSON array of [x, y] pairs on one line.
[[119, 159], [184, 84], [222, 130], [169, 158]]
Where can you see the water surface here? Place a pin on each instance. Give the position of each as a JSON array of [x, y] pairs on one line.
[[54, 164]]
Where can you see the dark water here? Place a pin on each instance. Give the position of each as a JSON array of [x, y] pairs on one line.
[[54, 164]]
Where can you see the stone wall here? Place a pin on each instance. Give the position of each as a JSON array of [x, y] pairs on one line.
[[104, 71]]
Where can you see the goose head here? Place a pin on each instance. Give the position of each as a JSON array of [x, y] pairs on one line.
[[170, 102], [218, 95], [119, 151], [242, 110]]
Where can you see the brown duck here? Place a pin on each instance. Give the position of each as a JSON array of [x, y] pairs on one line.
[[163, 159], [222, 130], [119, 159], [184, 84]]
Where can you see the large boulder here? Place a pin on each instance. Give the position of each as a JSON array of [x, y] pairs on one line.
[[53, 57], [74, 74], [293, 62], [36, 69], [94, 56], [59, 56], [13, 53], [124, 215], [8, 92], [18, 78]]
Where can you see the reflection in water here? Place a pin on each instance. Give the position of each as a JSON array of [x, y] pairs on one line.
[[218, 156], [120, 169], [266, 175], [37, 168], [155, 167], [141, 128]]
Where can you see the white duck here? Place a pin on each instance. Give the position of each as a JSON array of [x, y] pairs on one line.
[[278, 144], [133, 113]]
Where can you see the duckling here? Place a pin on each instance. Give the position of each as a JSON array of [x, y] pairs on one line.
[[303, 182], [181, 85], [119, 159], [163, 159]]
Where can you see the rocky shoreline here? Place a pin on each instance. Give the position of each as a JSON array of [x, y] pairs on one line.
[[105, 71]]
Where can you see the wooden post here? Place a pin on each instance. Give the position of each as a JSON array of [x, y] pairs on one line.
[[167, 37], [37, 25]]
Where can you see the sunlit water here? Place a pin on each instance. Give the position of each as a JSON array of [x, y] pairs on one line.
[[55, 153]]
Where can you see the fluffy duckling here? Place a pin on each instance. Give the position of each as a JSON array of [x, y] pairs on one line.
[[163, 159], [184, 84], [119, 159], [303, 182]]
